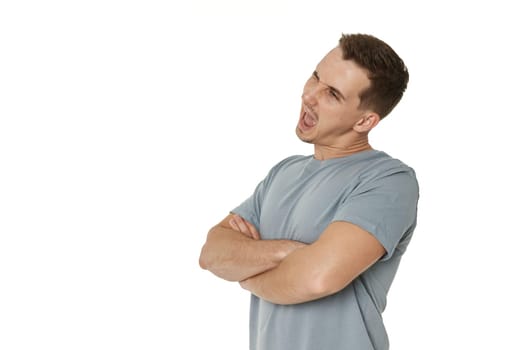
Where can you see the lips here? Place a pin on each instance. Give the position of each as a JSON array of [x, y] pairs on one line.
[[308, 120]]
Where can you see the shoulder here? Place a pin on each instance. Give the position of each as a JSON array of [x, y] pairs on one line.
[[294, 159], [383, 170], [380, 164], [285, 165], [290, 161]]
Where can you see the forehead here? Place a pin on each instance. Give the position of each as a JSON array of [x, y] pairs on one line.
[[344, 75]]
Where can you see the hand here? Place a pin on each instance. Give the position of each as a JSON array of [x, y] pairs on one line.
[[239, 224]]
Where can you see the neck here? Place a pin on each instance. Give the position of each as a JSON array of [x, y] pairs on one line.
[[323, 152]]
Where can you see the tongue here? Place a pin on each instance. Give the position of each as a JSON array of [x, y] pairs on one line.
[[309, 121]]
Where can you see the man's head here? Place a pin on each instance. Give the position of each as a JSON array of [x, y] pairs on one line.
[[386, 70], [352, 88]]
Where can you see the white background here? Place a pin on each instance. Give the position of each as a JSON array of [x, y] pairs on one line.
[[129, 128]]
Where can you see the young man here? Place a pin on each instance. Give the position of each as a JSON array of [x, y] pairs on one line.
[[320, 240]]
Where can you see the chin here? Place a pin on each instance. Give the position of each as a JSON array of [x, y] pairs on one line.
[[302, 137]]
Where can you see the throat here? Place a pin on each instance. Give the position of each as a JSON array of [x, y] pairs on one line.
[[329, 152]]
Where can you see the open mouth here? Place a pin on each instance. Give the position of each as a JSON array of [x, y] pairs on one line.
[[308, 120]]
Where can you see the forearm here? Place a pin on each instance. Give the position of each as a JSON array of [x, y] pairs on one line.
[[233, 256], [323, 268], [293, 281]]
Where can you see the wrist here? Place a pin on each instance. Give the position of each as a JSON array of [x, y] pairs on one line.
[[288, 247]]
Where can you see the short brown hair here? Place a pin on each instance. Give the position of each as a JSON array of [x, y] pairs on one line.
[[386, 70]]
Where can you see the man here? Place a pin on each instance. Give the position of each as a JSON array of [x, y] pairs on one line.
[[319, 241]]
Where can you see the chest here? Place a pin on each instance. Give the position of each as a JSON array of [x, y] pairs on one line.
[[299, 205]]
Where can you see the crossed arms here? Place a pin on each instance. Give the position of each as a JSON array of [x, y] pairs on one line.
[[285, 271]]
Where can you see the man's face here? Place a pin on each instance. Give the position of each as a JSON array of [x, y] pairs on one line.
[[330, 101]]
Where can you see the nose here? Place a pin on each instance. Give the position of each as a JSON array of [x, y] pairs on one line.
[[311, 94]]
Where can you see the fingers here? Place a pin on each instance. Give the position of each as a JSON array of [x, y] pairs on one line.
[[240, 225], [233, 224], [253, 230], [243, 226], [237, 223]]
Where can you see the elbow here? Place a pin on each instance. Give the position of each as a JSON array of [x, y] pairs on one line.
[[323, 285], [317, 288], [204, 261], [206, 256]]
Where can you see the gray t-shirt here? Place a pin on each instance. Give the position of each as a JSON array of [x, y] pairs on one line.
[[297, 200]]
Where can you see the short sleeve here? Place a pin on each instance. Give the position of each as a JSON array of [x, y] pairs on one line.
[[250, 209], [385, 206]]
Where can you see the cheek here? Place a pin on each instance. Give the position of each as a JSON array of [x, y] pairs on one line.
[[332, 113], [337, 119]]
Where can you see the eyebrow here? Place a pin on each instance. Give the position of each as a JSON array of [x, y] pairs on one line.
[[332, 89]]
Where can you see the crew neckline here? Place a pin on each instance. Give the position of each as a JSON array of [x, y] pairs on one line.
[[353, 156]]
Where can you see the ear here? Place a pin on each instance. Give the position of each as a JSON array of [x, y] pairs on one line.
[[367, 122]]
